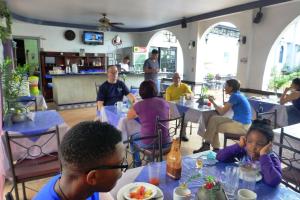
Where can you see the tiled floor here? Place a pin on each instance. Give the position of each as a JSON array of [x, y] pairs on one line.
[[74, 116]]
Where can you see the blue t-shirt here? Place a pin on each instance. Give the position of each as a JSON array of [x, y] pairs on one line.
[[296, 103], [48, 193], [241, 108], [112, 93]]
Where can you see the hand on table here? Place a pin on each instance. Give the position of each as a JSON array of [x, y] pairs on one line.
[[211, 98]]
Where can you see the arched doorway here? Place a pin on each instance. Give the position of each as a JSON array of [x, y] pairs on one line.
[[171, 56], [218, 52], [283, 62]]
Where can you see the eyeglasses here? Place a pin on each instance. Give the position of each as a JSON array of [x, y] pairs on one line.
[[123, 167]]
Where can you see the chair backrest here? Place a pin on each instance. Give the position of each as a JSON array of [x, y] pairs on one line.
[[287, 149], [23, 102], [272, 116], [23, 147], [173, 126]]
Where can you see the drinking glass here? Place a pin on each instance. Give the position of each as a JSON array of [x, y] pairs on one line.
[[231, 180], [154, 173], [248, 179]]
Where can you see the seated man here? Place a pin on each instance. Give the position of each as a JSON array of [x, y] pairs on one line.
[[240, 122], [92, 156], [176, 90], [112, 90]]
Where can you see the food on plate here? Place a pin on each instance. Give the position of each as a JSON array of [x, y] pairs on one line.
[[140, 192]]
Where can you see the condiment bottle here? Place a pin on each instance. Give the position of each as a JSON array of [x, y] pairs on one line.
[[174, 161]]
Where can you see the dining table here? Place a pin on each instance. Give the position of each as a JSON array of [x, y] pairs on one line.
[[167, 184], [287, 114]]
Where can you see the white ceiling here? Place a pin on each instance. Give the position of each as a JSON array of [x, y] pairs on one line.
[[133, 13]]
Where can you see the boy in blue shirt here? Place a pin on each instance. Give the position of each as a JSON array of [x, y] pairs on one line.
[[92, 155], [239, 124]]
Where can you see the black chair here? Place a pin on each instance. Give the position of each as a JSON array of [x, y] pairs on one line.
[[156, 150], [272, 116], [35, 163], [288, 152], [264, 115], [22, 101]]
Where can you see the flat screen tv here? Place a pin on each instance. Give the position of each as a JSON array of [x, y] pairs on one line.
[[93, 38]]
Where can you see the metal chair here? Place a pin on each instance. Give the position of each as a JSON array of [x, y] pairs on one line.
[[35, 163], [24, 101], [263, 115], [289, 155], [156, 151]]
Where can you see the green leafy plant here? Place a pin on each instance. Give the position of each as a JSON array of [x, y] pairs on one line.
[[210, 76], [5, 32], [12, 80]]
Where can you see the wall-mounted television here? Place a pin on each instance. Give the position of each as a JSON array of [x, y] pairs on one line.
[[93, 38]]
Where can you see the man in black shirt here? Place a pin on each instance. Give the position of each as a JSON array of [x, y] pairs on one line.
[[112, 90]]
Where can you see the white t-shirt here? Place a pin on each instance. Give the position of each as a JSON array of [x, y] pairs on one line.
[[124, 66]]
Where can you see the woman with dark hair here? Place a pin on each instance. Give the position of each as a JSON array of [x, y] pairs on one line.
[[294, 95], [239, 124], [148, 110]]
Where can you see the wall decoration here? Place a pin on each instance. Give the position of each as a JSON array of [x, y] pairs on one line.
[[116, 41], [70, 35]]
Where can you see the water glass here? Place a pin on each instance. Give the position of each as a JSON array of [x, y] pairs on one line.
[[119, 105], [231, 180], [154, 173], [248, 179]]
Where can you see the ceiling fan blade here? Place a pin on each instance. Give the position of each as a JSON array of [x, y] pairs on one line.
[[116, 23]]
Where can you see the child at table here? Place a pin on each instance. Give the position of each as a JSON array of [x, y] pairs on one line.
[[256, 147]]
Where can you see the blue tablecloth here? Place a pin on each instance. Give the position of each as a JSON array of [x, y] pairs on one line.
[[167, 184], [41, 122], [286, 114]]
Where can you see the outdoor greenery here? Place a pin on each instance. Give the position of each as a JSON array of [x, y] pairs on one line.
[[12, 81], [281, 80], [5, 32]]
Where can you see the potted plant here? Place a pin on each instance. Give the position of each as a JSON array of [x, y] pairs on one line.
[[12, 81], [203, 96]]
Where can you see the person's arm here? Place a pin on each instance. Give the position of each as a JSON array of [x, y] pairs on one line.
[[131, 98], [188, 92], [220, 109], [228, 154], [131, 113], [168, 94], [270, 166], [99, 105], [289, 97]]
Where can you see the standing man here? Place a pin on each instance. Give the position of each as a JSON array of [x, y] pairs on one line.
[[174, 92], [151, 68], [112, 90]]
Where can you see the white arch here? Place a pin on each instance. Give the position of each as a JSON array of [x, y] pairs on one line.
[[273, 56], [205, 56], [158, 40]]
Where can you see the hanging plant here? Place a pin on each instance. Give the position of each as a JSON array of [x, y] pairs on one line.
[[5, 29]]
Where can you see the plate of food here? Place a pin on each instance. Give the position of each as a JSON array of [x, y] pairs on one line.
[[139, 191]]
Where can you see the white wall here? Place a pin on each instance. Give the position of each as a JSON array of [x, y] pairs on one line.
[[52, 38]]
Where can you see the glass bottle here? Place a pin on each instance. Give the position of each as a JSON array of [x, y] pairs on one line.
[[174, 160]]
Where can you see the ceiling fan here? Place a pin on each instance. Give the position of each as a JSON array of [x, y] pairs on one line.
[[105, 23]]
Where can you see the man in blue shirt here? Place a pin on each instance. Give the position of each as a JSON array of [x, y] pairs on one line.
[[92, 156], [239, 124], [112, 90]]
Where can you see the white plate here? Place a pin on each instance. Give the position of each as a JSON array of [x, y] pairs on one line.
[[126, 188], [258, 176]]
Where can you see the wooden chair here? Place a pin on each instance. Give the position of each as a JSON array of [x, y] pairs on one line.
[[289, 155], [264, 115], [156, 152], [23, 101], [34, 163]]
